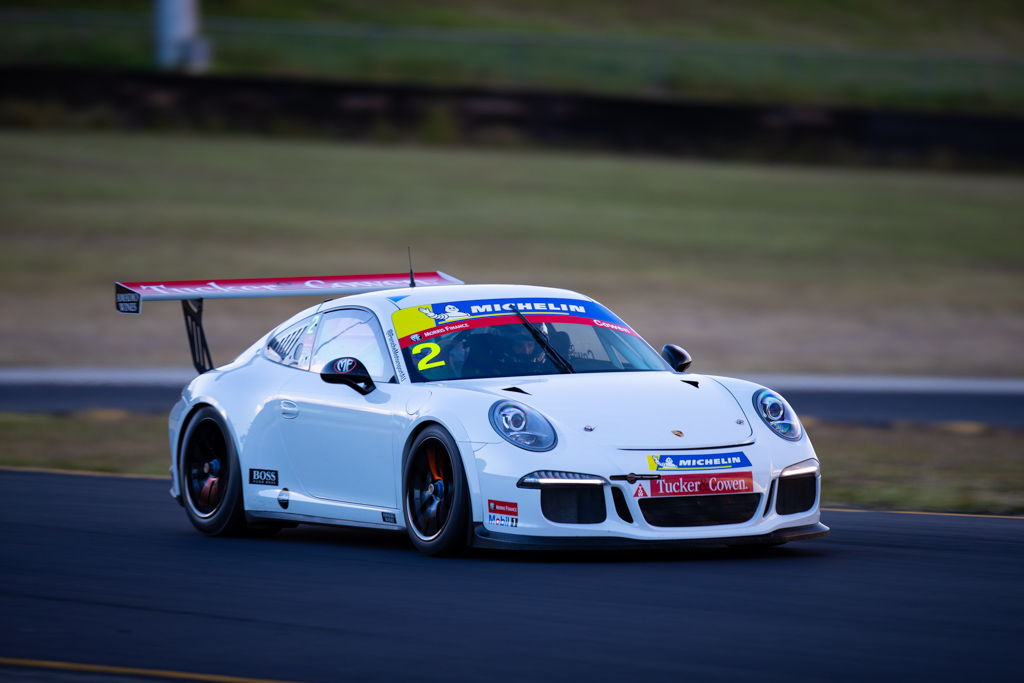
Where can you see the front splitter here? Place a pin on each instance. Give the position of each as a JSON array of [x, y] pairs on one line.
[[484, 538]]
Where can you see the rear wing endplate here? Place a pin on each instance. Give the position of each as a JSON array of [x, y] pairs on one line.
[[128, 296]]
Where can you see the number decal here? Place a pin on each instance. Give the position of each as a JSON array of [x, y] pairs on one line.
[[432, 350]]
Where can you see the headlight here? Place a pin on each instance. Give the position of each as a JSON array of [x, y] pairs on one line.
[[777, 414], [522, 426]]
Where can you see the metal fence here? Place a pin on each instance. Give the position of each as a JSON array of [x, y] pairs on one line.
[[581, 64]]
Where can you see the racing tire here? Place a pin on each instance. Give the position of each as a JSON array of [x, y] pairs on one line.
[[435, 495], [210, 480]]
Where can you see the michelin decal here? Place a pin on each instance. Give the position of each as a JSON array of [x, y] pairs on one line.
[[424, 322], [695, 463]]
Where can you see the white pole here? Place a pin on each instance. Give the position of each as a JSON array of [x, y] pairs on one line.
[[178, 44]]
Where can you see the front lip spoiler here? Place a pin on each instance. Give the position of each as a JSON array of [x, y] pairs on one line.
[[484, 538]]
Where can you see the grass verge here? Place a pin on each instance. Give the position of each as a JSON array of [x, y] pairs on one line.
[[751, 268], [97, 441], [906, 466], [900, 467]]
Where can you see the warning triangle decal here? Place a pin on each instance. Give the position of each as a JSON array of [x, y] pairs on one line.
[[641, 491]]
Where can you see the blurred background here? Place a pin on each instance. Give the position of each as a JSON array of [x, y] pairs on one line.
[[787, 187]]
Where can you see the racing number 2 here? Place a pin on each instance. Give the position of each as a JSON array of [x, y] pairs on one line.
[[427, 361]]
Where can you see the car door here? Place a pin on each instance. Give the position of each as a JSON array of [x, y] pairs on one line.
[[285, 356], [341, 443]]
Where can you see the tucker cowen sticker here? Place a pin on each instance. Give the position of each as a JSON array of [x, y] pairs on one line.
[[696, 485], [419, 323], [693, 463]]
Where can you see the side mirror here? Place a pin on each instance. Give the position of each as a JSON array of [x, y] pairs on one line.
[[677, 357], [349, 371]]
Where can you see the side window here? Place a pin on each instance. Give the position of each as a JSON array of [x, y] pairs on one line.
[[355, 333], [293, 346]]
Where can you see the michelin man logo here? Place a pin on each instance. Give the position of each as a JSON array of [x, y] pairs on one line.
[[664, 463], [451, 312]]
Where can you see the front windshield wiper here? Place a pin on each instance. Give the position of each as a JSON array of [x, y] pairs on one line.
[[556, 357]]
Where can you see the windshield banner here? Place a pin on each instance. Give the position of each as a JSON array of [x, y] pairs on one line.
[[417, 323]]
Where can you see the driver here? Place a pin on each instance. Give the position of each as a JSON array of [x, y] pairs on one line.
[[522, 350]]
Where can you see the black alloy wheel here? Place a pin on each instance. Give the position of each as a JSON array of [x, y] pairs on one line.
[[436, 496], [430, 490], [206, 469], [210, 482]]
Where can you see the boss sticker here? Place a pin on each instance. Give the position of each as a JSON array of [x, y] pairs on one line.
[[265, 477]]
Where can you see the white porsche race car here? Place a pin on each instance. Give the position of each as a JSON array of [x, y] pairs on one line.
[[476, 415]]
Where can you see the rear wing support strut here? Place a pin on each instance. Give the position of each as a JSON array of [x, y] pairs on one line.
[[202, 361]]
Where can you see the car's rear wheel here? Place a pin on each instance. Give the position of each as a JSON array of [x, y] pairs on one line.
[[435, 494], [211, 484]]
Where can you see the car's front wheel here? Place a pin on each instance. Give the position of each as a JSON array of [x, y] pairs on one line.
[[435, 494]]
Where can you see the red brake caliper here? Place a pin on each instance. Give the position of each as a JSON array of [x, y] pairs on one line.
[[432, 463], [209, 493]]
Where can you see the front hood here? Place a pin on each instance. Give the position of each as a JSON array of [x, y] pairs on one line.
[[634, 410]]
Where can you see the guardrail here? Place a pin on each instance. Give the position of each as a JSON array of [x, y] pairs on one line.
[[572, 63]]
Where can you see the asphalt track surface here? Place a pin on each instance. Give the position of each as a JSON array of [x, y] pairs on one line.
[[858, 405], [104, 570]]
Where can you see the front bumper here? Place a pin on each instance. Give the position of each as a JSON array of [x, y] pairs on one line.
[[486, 538], [618, 514]]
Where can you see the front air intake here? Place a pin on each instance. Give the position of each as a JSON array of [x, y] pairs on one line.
[[621, 508], [796, 494], [730, 508], [575, 505]]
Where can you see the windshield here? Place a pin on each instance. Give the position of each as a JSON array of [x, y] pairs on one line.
[[486, 338]]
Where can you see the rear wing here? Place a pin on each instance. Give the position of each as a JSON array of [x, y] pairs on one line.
[[128, 296]]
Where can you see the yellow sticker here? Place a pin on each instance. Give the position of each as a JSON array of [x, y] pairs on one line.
[[411, 320]]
